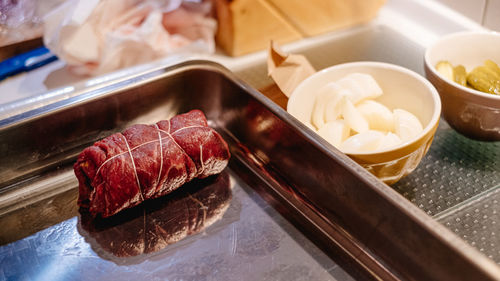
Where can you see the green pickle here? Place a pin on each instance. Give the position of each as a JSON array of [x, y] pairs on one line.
[[491, 64], [460, 75], [484, 78], [446, 69]]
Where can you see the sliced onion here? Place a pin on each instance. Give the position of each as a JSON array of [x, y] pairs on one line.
[[362, 86], [367, 141], [353, 117], [406, 125], [389, 140], [379, 117], [335, 132]]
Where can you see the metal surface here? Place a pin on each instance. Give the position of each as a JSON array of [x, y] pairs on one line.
[[250, 242], [477, 222], [458, 184], [455, 170], [337, 203]]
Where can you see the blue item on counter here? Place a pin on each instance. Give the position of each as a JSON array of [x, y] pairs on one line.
[[26, 62]]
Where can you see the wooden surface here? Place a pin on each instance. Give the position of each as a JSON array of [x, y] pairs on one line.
[[246, 26], [313, 17], [19, 48], [249, 25]]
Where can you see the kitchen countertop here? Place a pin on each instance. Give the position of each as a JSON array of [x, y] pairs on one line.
[[420, 22]]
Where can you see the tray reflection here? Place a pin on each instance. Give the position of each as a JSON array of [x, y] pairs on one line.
[[155, 224]]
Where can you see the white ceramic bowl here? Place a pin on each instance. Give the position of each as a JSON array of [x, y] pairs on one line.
[[403, 89], [472, 113]]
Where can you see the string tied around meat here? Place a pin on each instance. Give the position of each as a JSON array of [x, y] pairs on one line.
[[160, 140]]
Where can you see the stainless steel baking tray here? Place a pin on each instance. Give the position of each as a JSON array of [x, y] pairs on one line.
[[366, 226]]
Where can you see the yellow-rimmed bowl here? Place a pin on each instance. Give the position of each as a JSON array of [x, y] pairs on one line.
[[403, 89]]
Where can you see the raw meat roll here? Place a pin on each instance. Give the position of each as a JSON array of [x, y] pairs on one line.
[[148, 161]]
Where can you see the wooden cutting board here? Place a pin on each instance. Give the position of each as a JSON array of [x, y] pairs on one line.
[[246, 26]]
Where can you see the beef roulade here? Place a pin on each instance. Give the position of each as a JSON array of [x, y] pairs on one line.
[[148, 161]]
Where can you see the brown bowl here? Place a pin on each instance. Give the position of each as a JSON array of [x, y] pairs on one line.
[[472, 113]]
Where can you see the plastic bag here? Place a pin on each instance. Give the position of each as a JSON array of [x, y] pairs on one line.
[[99, 36]]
